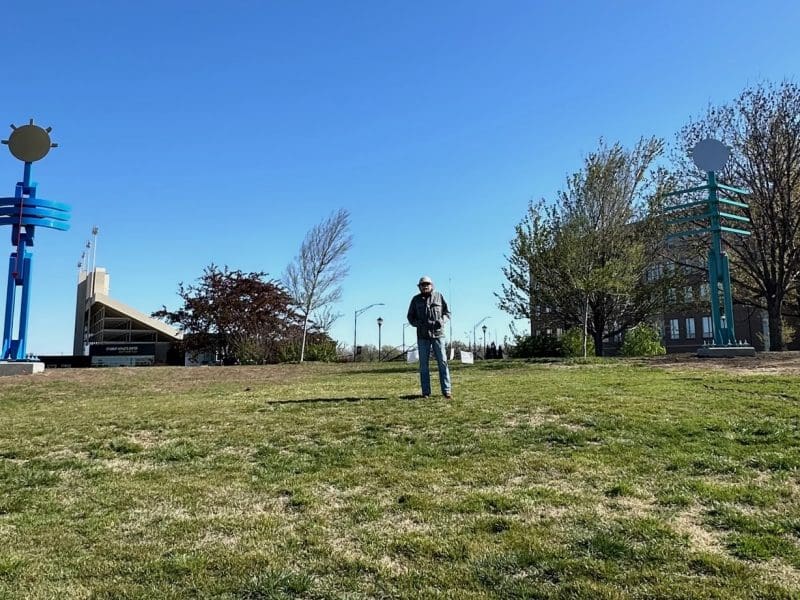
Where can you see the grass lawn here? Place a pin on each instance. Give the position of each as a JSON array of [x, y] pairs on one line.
[[607, 480]]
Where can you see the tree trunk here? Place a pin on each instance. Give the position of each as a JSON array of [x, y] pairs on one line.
[[531, 307], [774, 306], [586, 325], [598, 343], [598, 327], [303, 343]]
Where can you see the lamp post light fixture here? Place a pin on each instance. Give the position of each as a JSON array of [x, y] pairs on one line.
[[355, 324], [474, 327], [404, 337], [380, 324], [484, 328]]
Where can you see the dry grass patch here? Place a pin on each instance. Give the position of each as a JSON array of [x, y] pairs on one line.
[[701, 539], [778, 572]]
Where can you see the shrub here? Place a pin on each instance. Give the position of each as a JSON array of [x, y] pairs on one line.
[[572, 343], [323, 351], [642, 340], [246, 351], [534, 346]]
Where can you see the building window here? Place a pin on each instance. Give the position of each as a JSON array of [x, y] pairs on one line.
[[690, 332], [708, 330], [704, 291], [674, 329], [688, 294], [671, 295], [654, 273]]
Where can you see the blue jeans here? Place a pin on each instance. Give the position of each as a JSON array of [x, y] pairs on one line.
[[424, 347]]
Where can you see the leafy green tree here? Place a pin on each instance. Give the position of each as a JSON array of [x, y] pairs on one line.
[[762, 127], [529, 248], [585, 257], [610, 238]]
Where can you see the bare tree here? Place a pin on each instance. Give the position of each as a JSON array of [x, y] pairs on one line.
[[314, 277], [763, 128]]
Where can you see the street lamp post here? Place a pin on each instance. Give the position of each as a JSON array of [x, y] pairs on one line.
[[355, 324], [380, 324], [404, 337], [484, 328], [474, 327]]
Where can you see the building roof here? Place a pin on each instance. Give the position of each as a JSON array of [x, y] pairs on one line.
[[145, 321]]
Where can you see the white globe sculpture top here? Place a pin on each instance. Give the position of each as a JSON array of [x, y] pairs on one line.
[[710, 155]]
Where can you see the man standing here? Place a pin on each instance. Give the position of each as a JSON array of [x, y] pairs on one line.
[[428, 312]]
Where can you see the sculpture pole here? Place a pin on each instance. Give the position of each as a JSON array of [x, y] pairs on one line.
[[710, 156], [25, 212]]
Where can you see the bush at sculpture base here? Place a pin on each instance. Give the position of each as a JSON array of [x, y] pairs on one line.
[[642, 340], [572, 342]]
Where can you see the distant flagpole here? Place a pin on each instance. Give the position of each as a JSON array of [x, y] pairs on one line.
[[95, 231], [450, 320], [450, 295]]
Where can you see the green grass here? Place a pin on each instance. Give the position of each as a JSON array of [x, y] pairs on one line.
[[569, 480]]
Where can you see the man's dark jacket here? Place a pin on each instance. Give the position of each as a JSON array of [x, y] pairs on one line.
[[428, 314]]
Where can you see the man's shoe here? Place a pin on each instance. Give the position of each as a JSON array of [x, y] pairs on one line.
[[448, 396], [425, 396]]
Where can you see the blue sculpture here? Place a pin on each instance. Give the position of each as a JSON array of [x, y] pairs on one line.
[[25, 212]]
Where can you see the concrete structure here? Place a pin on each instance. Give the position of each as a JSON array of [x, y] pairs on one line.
[[730, 351], [20, 367], [115, 334]]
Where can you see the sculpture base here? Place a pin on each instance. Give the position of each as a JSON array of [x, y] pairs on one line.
[[20, 367], [725, 351]]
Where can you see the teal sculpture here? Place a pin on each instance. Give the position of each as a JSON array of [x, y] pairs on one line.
[[710, 156]]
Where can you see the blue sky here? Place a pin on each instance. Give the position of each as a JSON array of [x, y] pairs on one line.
[[199, 132]]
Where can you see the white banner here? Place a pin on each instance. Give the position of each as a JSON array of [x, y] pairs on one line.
[[412, 356], [466, 357]]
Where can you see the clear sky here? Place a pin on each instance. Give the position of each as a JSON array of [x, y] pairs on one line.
[[198, 132]]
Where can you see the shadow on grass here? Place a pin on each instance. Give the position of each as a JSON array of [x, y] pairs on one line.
[[480, 364], [399, 368], [316, 400], [498, 364]]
